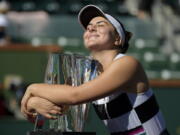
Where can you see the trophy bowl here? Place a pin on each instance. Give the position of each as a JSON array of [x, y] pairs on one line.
[[74, 70]]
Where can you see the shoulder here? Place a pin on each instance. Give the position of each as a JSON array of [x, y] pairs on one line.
[[124, 68], [126, 61]]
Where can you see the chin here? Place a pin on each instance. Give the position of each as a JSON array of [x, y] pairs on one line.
[[93, 48], [90, 45]]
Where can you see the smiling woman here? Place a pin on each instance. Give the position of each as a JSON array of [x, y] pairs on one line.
[[121, 94], [100, 34]]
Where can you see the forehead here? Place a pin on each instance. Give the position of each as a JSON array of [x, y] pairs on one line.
[[99, 19]]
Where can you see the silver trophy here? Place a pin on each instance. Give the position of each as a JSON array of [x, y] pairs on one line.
[[74, 70]]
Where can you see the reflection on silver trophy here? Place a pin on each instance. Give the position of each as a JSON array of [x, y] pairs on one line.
[[71, 69]]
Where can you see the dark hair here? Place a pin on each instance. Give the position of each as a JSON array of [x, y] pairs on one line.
[[123, 48]]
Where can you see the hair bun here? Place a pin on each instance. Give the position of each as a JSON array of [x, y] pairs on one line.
[[128, 35]]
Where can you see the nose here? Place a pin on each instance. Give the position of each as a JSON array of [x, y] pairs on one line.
[[93, 28]]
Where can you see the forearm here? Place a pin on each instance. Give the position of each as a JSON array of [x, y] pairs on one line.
[[58, 94]]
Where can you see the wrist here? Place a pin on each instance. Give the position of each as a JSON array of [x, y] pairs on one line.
[[31, 89]]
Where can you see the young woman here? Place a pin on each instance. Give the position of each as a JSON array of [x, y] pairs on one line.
[[121, 94]]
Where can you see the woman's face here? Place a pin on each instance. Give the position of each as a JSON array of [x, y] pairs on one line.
[[99, 34]]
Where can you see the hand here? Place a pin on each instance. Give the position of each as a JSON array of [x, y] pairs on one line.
[[24, 101], [43, 107]]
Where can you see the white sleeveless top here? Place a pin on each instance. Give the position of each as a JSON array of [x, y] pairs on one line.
[[126, 113]]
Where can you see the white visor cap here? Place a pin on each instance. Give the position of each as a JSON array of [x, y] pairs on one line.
[[90, 11]]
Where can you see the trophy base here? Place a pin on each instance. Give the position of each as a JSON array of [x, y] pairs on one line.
[[53, 132]]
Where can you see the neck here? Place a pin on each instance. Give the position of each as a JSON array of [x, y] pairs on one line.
[[104, 57]]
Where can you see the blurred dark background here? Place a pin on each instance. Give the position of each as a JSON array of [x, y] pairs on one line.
[[31, 29]]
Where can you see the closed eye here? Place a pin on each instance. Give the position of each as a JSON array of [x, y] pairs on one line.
[[98, 24]]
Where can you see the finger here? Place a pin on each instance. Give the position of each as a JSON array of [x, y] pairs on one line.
[[24, 113], [55, 112], [57, 108], [25, 99], [33, 114], [50, 116], [27, 113], [23, 106], [29, 117]]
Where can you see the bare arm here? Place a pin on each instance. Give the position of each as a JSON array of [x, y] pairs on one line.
[[122, 73]]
